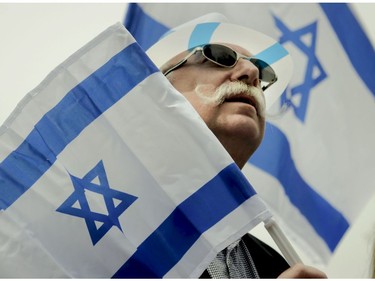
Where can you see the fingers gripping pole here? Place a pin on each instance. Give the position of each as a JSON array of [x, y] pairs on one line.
[[282, 242]]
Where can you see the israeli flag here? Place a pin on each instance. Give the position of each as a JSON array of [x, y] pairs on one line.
[[107, 171], [315, 166]]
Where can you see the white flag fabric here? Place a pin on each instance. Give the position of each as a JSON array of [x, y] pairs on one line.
[[107, 171], [315, 165]]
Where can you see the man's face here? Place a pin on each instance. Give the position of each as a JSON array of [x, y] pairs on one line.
[[239, 118]]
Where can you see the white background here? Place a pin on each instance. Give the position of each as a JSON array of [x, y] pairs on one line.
[[36, 37]]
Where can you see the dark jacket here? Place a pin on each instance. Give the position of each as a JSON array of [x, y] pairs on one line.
[[269, 263]]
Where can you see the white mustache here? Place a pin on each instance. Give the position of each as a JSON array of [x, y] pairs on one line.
[[231, 89]]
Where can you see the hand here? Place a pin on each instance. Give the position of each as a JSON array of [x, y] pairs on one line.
[[302, 271]]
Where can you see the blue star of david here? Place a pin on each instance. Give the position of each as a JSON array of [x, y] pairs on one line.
[[313, 66], [82, 209]]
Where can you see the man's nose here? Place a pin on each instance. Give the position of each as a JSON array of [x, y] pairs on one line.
[[247, 72]]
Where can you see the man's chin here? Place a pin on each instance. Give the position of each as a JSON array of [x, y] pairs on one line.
[[246, 126]]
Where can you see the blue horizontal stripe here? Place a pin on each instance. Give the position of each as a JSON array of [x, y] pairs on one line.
[[272, 54], [173, 238], [145, 29], [328, 222], [202, 34], [354, 41], [58, 127]]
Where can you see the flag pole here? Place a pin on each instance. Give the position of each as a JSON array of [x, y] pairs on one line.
[[282, 242]]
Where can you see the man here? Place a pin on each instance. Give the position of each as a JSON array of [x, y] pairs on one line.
[[211, 63]]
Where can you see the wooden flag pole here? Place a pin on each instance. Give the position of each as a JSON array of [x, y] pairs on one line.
[[282, 242]]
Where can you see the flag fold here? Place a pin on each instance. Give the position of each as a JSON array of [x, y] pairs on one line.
[[107, 171]]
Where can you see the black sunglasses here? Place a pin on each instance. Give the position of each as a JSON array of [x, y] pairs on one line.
[[224, 56]]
